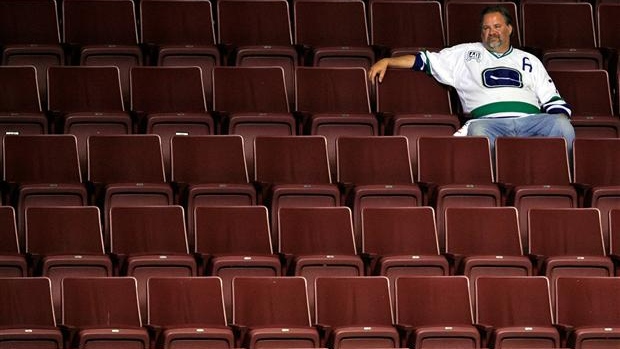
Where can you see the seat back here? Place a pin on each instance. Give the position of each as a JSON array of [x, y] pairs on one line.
[[291, 160], [531, 161], [264, 22], [249, 89], [160, 22], [331, 90], [100, 302], [270, 302], [125, 158], [588, 301], [543, 29], [26, 303], [90, 22], [18, 89], [373, 160], [460, 20], [330, 23], [353, 301], [177, 301], [591, 98], [513, 301]]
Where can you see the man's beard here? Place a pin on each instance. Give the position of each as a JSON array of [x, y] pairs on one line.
[[494, 44]]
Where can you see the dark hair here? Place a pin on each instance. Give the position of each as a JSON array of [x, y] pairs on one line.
[[496, 9]]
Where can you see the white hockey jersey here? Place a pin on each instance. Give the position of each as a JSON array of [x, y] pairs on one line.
[[511, 84]]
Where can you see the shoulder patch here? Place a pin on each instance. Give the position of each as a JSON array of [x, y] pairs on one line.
[[473, 55]]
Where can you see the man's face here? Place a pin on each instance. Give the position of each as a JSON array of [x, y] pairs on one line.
[[495, 32]]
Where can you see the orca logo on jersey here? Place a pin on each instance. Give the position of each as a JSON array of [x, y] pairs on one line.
[[502, 77]]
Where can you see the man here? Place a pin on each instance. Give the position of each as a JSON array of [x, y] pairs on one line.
[[506, 91]]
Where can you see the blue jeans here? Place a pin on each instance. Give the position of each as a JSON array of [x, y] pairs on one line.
[[542, 125]]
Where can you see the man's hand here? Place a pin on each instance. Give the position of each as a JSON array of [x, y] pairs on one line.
[[378, 69]]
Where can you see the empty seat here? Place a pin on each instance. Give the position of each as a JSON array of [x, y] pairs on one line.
[[170, 101], [463, 176], [65, 242], [401, 241], [485, 241], [355, 312], [235, 241], [100, 33], [573, 47], [252, 101], [186, 311], [293, 172], [334, 102], [318, 241], [334, 33], [87, 101], [515, 312], [272, 312], [533, 173], [29, 35], [150, 241], [414, 115], [42, 170], [376, 172], [588, 306], [20, 106], [258, 33], [436, 311], [209, 171], [12, 262], [126, 170], [173, 44], [101, 312], [406, 27], [596, 175], [590, 101], [27, 314], [568, 242], [461, 20]]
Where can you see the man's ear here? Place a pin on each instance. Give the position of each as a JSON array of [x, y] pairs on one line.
[[510, 27]]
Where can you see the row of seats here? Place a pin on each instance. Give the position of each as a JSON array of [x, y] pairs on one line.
[[143, 241], [348, 312], [181, 33], [295, 171]]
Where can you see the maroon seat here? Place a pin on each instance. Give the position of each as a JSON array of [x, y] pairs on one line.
[[533, 173], [271, 312], [42, 170], [460, 25], [445, 321], [375, 172], [20, 106], [318, 241], [406, 27], [596, 175], [401, 241], [568, 242], [66, 241], [355, 311], [12, 261], [149, 241], [259, 34], [101, 33], [102, 312], [27, 314], [334, 102], [428, 113], [190, 44], [188, 312], [252, 102], [86, 101], [463, 179], [170, 101], [209, 171], [528, 323], [235, 241], [293, 171], [29, 35], [334, 33], [126, 170], [591, 104]]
